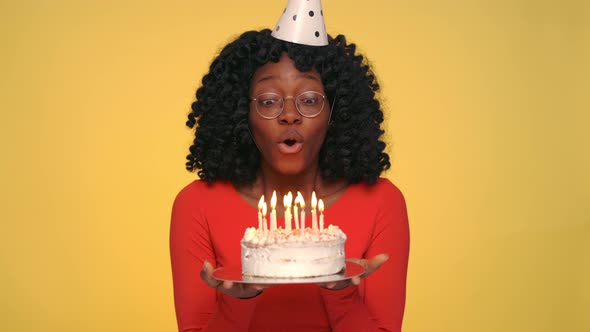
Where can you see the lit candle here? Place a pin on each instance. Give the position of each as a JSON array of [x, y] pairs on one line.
[[260, 212], [314, 217], [298, 200], [264, 209], [287, 200], [302, 221], [273, 211], [321, 207]]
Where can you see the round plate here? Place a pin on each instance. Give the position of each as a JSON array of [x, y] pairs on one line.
[[235, 274]]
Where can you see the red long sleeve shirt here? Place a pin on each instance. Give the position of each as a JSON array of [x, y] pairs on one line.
[[208, 222]]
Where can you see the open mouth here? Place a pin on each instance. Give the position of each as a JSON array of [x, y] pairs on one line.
[[290, 142], [290, 146]]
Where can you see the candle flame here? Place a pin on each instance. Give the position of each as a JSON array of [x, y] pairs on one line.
[[298, 198], [321, 205], [287, 200], [314, 200], [260, 202], [273, 200], [264, 209]]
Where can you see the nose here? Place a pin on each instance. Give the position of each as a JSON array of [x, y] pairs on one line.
[[290, 115]]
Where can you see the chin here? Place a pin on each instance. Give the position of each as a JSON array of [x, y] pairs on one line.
[[289, 171], [288, 168]]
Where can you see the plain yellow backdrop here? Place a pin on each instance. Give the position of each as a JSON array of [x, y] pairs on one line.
[[487, 123]]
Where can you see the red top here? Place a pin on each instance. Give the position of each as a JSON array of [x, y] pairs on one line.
[[208, 222]]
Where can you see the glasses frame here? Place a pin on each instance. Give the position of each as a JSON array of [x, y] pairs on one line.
[[284, 99]]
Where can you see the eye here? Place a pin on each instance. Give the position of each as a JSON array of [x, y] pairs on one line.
[[267, 100], [310, 99]]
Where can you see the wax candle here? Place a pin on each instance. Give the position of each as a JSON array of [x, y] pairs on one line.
[[314, 217], [273, 211], [296, 212], [260, 212], [302, 221], [264, 210], [321, 207], [287, 200], [297, 202]]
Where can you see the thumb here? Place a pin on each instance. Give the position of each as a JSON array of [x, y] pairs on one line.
[[375, 263], [206, 270]]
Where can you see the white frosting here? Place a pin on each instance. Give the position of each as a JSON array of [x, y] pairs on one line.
[[293, 254]]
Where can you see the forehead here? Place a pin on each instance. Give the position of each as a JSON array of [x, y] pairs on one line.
[[284, 70]]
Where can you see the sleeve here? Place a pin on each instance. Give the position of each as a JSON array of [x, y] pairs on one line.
[[198, 306], [381, 308]]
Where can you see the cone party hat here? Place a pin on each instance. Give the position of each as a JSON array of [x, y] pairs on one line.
[[302, 22]]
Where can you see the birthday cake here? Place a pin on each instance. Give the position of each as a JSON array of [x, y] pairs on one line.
[[292, 252]]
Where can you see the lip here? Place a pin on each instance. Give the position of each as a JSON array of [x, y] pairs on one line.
[[292, 135], [290, 149]]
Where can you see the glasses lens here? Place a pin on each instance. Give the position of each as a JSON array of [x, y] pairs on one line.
[[269, 105], [310, 103]]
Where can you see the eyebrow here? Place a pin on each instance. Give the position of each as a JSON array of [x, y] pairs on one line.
[[302, 75]]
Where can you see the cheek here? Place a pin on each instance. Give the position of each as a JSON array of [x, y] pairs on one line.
[[255, 126], [316, 140], [319, 129], [261, 133]]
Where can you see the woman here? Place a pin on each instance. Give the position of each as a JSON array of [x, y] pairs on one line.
[[273, 115]]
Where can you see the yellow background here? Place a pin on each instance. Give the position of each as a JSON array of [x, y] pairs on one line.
[[487, 115]]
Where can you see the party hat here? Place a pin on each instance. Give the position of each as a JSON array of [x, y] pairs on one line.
[[302, 22]]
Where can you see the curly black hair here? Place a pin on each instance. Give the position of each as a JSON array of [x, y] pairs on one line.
[[223, 148]]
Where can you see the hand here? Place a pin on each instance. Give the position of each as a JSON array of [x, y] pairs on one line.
[[369, 265], [239, 290]]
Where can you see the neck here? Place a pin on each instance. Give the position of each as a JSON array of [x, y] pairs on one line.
[[268, 180], [304, 182]]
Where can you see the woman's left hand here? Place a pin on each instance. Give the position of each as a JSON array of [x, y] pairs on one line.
[[369, 265]]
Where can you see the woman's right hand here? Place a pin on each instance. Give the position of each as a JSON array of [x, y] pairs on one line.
[[239, 290]]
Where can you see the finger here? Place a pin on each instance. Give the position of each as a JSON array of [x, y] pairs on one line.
[[356, 280], [375, 263], [329, 285], [207, 275], [358, 261], [208, 268], [204, 273], [369, 265], [227, 284]]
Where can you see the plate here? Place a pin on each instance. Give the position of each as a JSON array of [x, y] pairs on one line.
[[235, 274]]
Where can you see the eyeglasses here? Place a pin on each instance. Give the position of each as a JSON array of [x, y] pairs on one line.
[[270, 105]]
